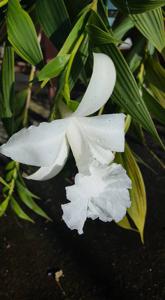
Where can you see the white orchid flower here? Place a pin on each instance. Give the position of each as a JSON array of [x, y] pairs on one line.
[[47, 145], [101, 194]]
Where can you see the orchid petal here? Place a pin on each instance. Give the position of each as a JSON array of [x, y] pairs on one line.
[[79, 145], [114, 200], [106, 131], [100, 154], [100, 87], [95, 138], [37, 145], [46, 173], [83, 149], [75, 212], [74, 215]]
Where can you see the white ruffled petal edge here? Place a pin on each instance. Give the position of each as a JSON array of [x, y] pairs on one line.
[[103, 194]]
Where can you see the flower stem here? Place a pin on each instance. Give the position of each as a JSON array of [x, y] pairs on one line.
[[29, 90]]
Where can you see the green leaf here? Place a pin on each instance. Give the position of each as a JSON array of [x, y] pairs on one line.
[[15, 122], [25, 196], [18, 110], [74, 34], [68, 46], [3, 2], [79, 62], [155, 79], [73, 105], [7, 82], [21, 181], [10, 165], [2, 181], [100, 37], [151, 25], [76, 7], [3, 206], [54, 19], [9, 176], [136, 54], [30, 194], [122, 28], [102, 10], [19, 103], [137, 6], [54, 67], [154, 107], [19, 211], [22, 34], [126, 93]]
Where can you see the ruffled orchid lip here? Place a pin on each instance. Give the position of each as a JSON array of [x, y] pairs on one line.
[[102, 194]]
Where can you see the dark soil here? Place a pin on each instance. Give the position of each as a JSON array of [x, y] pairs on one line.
[[105, 263]]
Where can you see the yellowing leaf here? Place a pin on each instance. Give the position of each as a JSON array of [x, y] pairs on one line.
[[138, 208], [124, 223]]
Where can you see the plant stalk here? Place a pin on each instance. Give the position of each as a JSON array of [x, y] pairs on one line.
[[29, 91]]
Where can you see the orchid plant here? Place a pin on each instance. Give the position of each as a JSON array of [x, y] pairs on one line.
[[124, 94]]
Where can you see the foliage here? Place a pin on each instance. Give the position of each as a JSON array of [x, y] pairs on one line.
[[76, 32], [14, 189]]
